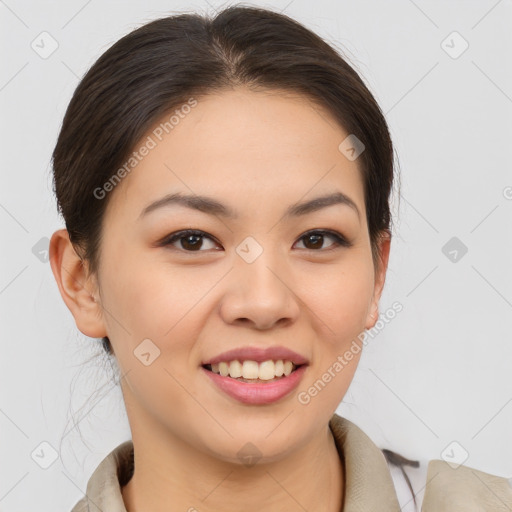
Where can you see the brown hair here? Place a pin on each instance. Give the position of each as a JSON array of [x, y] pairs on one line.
[[159, 66]]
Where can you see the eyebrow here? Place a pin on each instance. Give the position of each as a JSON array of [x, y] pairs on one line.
[[213, 207]]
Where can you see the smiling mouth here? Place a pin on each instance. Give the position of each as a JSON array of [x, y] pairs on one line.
[[253, 380]]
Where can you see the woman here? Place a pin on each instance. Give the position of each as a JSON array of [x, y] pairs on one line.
[[225, 185]]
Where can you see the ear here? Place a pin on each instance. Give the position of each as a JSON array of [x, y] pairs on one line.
[[79, 292], [384, 246]]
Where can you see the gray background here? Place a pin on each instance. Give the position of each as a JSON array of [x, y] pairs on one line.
[[435, 381]]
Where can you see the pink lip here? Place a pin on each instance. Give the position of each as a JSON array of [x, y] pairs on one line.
[[259, 355], [254, 394]]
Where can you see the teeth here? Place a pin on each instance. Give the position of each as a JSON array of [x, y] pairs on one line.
[[235, 369], [249, 370], [224, 369], [288, 367], [267, 370]]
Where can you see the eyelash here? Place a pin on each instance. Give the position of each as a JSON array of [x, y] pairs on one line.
[[339, 239]]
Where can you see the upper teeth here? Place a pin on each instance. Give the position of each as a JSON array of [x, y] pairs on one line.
[[266, 370]]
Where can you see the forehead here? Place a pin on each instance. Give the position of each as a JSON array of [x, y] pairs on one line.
[[272, 145]]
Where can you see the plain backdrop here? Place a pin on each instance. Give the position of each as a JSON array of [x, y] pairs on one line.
[[436, 380]]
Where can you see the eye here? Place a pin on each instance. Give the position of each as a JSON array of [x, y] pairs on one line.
[[316, 238], [190, 240]]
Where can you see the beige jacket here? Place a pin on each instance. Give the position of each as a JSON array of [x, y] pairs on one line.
[[369, 484]]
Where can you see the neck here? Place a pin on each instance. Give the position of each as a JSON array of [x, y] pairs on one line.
[[173, 476]]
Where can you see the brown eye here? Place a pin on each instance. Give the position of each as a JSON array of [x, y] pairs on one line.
[[192, 242], [189, 241], [314, 240]]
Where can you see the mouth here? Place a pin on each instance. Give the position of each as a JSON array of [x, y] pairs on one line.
[[243, 381], [253, 372]]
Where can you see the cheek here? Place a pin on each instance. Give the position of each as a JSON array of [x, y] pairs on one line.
[[157, 321], [149, 299], [341, 306], [341, 297]]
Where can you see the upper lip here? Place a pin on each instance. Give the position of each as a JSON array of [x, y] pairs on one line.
[[259, 355]]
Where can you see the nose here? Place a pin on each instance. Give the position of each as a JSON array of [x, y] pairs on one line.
[[260, 294]]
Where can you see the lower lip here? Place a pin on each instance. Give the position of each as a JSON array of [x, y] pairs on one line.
[[251, 393]]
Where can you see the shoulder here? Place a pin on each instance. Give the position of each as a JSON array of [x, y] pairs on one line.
[[474, 490], [437, 486], [424, 485], [104, 485]]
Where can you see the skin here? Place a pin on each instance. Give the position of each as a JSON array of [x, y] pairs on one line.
[[258, 153]]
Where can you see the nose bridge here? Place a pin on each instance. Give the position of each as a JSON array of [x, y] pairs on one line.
[[260, 292], [258, 269]]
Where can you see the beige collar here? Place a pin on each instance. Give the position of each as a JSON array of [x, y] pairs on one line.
[[448, 487], [368, 483], [463, 488], [369, 486]]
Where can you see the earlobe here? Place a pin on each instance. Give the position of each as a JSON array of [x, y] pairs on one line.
[[372, 316], [77, 290], [380, 279]]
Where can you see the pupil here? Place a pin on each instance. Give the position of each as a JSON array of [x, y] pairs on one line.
[[193, 240], [316, 239]]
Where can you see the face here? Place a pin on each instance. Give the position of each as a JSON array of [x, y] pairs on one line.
[[256, 272]]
